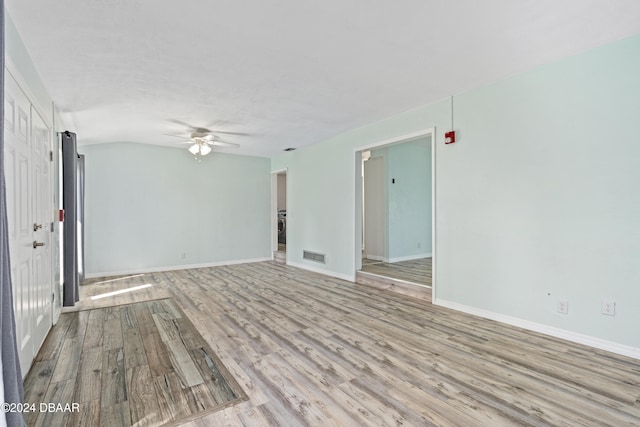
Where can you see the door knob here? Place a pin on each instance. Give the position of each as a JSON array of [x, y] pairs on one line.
[[36, 226], [36, 244]]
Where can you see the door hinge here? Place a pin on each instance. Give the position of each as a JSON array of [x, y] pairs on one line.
[[51, 156], [53, 297], [52, 229]]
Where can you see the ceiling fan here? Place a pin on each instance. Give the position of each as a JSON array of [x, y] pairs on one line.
[[202, 140]]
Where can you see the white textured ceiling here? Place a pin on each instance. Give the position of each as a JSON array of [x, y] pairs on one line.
[[288, 73]]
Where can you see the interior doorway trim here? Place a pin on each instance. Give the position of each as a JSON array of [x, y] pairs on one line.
[[357, 220], [274, 207]]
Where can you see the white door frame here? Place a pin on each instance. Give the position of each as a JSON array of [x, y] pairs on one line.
[[358, 195], [274, 207]]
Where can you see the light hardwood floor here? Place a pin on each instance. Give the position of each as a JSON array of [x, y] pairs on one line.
[[414, 271], [134, 364], [313, 350]]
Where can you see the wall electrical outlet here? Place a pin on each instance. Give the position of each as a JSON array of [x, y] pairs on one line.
[[183, 255], [609, 307], [563, 306]]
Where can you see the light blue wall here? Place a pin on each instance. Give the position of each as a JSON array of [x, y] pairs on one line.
[[540, 197], [147, 205], [321, 181], [17, 54], [409, 164], [537, 200], [407, 201]]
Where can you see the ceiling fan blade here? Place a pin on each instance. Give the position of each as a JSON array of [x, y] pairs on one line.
[[199, 129], [213, 133], [223, 144], [229, 133]]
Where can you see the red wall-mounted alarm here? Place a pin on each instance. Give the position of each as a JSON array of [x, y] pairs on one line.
[[450, 137]]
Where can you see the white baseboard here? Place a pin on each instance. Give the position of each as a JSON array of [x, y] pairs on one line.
[[347, 277], [375, 257], [599, 343], [409, 258], [174, 267]]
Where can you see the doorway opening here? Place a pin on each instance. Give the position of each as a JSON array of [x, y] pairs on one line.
[[279, 215], [395, 233]]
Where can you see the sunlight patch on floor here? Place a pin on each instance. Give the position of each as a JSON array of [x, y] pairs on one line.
[[121, 291], [115, 280]]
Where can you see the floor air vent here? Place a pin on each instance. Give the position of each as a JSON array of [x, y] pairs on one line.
[[313, 256]]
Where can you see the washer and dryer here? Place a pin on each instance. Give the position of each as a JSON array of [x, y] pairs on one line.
[[282, 226]]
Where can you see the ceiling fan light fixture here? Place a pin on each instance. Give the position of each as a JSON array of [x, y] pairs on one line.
[[202, 140]]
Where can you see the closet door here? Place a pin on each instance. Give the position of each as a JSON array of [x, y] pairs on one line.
[[29, 217]]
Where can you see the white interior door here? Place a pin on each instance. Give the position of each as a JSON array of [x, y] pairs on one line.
[[374, 208], [28, 188]]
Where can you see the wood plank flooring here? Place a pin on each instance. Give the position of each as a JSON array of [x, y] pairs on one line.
[[136, 364], [280, 257], [113, 291], [311, 350], [414, 271], [410, 289]]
